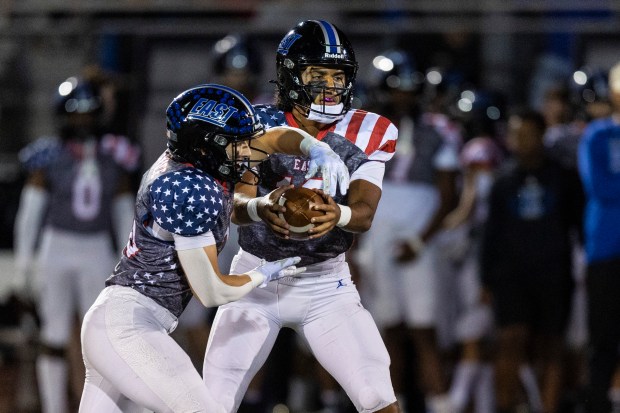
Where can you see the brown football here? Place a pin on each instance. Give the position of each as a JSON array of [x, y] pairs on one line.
[[298, 203]]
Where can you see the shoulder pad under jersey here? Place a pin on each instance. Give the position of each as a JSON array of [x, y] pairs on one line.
[[270, 116], [40, 153], [186, 202]]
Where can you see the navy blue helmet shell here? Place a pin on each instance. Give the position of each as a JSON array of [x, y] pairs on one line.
[[202, 121], [77, 95]]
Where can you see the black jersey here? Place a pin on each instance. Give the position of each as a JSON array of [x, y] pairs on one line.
[[532, 216]]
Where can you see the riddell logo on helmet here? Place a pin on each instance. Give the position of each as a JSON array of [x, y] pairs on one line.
[[334, 55]]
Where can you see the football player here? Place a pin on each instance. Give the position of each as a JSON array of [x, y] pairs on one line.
[[180, 223], [599, 168], [316, 69], [77, 188]]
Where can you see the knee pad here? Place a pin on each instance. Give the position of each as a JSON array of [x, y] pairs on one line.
[[369, 399], [375, 391]]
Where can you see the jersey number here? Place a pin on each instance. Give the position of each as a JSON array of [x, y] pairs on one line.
[[86, 200]]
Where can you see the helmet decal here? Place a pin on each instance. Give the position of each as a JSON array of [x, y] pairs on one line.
[[287, 42], [333, 48], [212, 112]]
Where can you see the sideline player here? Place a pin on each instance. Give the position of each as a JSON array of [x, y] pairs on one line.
[[316, 70], [180, 223], [78, 187], [599, 169]]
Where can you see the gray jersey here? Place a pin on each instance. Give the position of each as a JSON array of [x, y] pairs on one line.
[[414, 160], [82, 182], [150, 264]]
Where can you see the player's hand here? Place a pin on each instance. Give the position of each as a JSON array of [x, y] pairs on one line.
[[325, 223], [268, 210], [332, 168], [273, 270]]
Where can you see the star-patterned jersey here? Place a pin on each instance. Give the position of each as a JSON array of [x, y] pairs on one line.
[[358, 138], [81, 177], [179, 199]]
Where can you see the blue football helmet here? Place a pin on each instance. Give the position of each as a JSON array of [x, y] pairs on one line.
[[589, 85], [394, 69], [202, 121], [78, 106], [78, 95]]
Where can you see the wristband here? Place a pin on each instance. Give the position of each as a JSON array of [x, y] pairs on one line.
[[252, 209], [416, 243], [307, 142], [257, 278], [345, 216]]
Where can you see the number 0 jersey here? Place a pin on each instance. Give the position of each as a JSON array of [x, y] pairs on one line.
[[82, 178], [173, 198], [359, 138]]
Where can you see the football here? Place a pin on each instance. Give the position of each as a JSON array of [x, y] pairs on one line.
[[298, 203]]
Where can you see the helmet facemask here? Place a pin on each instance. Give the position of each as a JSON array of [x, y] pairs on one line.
[[303, 95], [236, 167]]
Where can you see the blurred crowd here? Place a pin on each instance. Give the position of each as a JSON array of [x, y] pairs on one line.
[[477, 268]]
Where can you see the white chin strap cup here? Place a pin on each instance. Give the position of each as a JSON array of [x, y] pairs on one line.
[[326, 114]]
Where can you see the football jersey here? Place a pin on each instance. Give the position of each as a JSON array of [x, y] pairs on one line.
[[358, 138], [424, 147], [179, 199], [81, 182]]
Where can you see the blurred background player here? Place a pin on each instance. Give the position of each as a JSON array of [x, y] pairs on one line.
[[401, 287], [470, 321], [563, 133], [535, 205], [589, 88], [78, 198], [316, 69], [599, 167], [472, 378]]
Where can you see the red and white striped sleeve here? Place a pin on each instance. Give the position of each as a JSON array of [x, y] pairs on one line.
[[372, 133]]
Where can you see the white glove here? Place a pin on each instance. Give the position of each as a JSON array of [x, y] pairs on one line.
[[273, 270], [332, 168]]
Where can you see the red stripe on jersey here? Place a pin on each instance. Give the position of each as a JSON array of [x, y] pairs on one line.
[[378, 132], [389, 147], [354, 125]]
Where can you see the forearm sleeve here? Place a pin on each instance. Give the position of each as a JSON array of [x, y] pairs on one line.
[[32, 205], [208, 287]]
